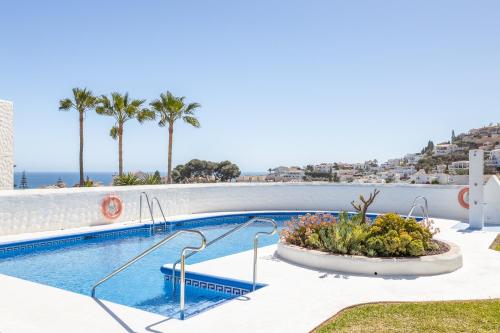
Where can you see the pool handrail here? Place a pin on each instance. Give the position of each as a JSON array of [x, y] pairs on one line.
[[161, 211], [224, 235], [424, 208], [152, 228], [154, 247]]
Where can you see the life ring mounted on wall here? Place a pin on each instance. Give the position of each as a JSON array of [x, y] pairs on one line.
[[463, 197], [112, 206]]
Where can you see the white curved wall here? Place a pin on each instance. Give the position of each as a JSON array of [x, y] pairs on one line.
[[44, 209]]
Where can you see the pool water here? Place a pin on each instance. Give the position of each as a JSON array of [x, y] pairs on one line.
[[77, 266]]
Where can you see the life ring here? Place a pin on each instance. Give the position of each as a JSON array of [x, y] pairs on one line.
[[461, 197], [112, 207]]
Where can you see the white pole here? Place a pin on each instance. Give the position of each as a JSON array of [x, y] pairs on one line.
[[476, 188], [6, 146]]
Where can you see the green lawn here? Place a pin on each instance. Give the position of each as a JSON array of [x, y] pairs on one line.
[[435, 317]]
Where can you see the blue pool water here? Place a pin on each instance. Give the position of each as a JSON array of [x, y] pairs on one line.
[[77, 266]]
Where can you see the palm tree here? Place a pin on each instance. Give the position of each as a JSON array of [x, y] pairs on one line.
[[170, 108], [82, 101], [122, 109]]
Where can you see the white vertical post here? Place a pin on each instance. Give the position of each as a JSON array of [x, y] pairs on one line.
[[476, 188], [6, 146]]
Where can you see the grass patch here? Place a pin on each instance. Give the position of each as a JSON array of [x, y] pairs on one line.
[[457, 316], [496, 244]]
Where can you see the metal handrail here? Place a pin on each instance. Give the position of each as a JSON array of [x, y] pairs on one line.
[[152, 228], [224, 235], [425, 208], [151, 249], [161, 211]]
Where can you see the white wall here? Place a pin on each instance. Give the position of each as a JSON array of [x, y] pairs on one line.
[[44, 209], [492, 201], [6, 146]]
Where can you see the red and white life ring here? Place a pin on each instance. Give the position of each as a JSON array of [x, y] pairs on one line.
[[112, 207], [463, 197]]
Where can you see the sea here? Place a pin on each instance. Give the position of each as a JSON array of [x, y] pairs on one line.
[[37, 179]]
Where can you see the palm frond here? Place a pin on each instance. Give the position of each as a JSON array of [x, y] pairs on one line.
[[65, 104], [190, 109], [191, 121], [145, 114], [83, 100], [114, 132]]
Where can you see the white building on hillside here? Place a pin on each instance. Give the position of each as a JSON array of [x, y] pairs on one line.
[[286, 174], [492, 158], [458, 167], [445, 149], [412, 159], [404, 171], [324, 167]]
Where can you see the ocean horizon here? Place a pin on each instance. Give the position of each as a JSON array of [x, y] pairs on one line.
[[40, 179]]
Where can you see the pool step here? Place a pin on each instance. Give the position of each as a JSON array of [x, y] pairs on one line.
[[211, 282]]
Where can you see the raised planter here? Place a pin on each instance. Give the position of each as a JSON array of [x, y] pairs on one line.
[[427, 265]]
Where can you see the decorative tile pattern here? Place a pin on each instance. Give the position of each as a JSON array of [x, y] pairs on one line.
[[235, 291], [49, 243], [27, 246]]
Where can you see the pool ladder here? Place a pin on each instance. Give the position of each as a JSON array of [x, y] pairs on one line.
[[184, 252], [417, 203], [188, 251], [150, 205], [226, 234]]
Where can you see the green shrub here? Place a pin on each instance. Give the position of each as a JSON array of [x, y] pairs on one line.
[[388, 235], [126, 180], [130, 178], [394, 235], [88, 182], [304, 230], [151, 179]]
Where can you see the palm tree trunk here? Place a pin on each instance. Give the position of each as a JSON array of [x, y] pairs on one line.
[[170, 139], [120, 149], [81, 149]]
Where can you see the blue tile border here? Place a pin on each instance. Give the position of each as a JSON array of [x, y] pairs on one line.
[[10, 248], [213, 283]]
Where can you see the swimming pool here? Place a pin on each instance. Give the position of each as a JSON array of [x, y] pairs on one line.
[[76, 262]]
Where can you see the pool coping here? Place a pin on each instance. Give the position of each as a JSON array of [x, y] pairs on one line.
[[285, 297]]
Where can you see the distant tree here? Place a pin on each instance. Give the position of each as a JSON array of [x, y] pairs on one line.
[[170, 108], [336, 177], [226, 171], [309, 168], [24, 181], [82, 101], [122, 108], [429, 148], [453, 137], [205, 171]]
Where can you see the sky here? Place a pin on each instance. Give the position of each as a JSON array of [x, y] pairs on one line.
[[280, 82]]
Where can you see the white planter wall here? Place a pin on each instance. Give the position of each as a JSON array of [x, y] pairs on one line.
[[44, 209]]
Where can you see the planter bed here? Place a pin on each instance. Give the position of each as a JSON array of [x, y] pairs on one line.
[[446, 262]]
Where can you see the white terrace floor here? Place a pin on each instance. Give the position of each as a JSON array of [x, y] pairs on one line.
[[296, 300]]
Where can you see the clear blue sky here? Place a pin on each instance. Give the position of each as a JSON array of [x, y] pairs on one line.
[[281, 82]]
